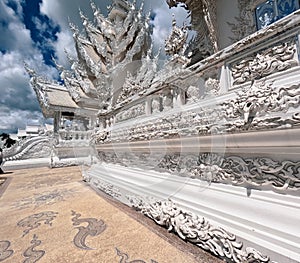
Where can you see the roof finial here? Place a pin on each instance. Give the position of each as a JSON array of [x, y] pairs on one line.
[[173, 20], [58, 66], [73, 28], [70, 59], [31, 72]]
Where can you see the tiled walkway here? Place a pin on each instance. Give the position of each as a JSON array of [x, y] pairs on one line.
[[50, 215]]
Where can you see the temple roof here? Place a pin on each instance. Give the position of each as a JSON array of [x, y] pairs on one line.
[[106, 44], [60, 98]]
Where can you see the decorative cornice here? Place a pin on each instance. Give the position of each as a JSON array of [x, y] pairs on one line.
[[258, 173], [277, 58], [107, 188], [197, 230], [131, 113], [259, 107], [255, 173]]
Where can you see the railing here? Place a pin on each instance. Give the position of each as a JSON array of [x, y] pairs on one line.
[[21, 148], [73, 137], [244, 82]]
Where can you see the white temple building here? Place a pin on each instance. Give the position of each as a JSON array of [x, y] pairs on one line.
[[206, 145], [33, 131]]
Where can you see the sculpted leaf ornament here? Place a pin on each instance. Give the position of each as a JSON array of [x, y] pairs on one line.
[[264, 63], [197, 230]]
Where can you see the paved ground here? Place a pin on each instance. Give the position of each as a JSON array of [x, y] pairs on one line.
[[50, 215]]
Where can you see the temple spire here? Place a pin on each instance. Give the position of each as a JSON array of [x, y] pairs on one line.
[[31, 72]]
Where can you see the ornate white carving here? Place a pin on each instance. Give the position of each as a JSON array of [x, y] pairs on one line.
[[131, 113], [99, 136], [256, 173], [55, 162], [39, 84], [175, 44], [80, 74], [155, 105], [197, 230], [277, 58], [70, 82], [212, 86], [193, 94], [140, 82], [260, 100], [104, 48], [36, 147], [204, 21], [253, 172], [107, 188], [167, 101], [258, 108], [93, 34]]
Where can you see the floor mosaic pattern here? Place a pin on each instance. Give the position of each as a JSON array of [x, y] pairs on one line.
[[51, 215]]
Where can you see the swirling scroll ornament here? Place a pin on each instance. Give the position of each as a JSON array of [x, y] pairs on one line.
[[5, 252], [275, 59], [197, 230], [124, 258], [94, 228], [34, 221], [107, 188], [254, 172], [31, 254]]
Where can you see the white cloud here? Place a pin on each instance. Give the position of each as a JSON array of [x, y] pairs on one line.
[[64, 42], [18, 101], [41, 26], [12, 120], [14, 35]]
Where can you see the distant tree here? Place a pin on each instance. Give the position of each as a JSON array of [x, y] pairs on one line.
[[8, 142]]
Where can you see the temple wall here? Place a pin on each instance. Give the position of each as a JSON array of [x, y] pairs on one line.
[[211, 151]]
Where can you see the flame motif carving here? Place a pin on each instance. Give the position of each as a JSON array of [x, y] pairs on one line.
[[259, 107], [124, 258], [277, 58], [5, 252], [35, 220], [197, 230], [94, 228], [31, 254]]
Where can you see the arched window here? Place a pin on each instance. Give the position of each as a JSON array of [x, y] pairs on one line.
[[272, 10]]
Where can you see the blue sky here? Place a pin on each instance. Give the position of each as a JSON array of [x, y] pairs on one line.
[[35, 30]]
